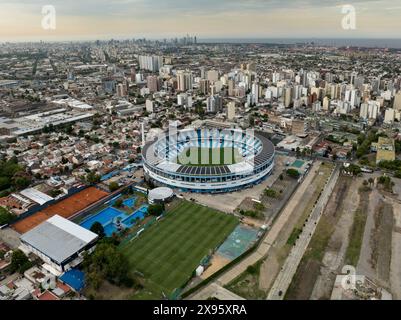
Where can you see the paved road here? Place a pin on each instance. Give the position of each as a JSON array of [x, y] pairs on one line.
[[10, 237], [290, 266], [216, 291], [270, 237], [273, 233]]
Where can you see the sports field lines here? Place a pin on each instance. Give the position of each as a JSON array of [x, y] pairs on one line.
[[169, 251]]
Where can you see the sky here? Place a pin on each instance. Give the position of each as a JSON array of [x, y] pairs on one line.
[[21, 20]]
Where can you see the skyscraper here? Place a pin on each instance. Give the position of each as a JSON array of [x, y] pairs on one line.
[[153, 83], [231, 111], [150, 63], [397, 101], [185, 80]]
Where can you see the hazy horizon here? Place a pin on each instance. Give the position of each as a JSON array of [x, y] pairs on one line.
[[391, 43]]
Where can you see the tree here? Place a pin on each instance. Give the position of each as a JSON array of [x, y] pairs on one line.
[[293, 173], [387, 183], [6, 216], [119, 203], [93, 178], [22, 182], [97, 228], [354, 169], [113, 186], [107, 263], [298, 152], [271, 193], [19, 262], [156, 209]]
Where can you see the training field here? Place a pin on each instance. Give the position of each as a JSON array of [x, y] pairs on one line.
[[200, 156], [170, 250]]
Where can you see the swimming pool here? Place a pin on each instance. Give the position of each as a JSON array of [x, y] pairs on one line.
[[139, 214]]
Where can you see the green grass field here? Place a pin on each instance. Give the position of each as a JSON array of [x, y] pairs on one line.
[[169, 251], [206, 157]]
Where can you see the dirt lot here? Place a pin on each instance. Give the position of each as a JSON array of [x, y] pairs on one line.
[[381, 240], [395, 267], [107, 291], [280, 250], [217, 263], [334, 254], [246, 285], [309, 270]]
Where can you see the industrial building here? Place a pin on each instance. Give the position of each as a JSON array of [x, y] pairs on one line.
[[60, 243]]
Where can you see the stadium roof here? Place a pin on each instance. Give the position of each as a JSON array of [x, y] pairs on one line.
[[267, 152], [58, 238]]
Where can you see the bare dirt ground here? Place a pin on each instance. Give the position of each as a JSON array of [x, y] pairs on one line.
[[280, 249], [268, 272], [395, 267], [381, 240], [217, 263], [312, 269], [375, 258], [364, 266], [335, 252], [107, 291]]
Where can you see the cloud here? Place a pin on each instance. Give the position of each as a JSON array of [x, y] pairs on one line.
[[206, 18], [174, 7]]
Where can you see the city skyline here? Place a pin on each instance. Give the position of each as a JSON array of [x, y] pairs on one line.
[[88, 20]]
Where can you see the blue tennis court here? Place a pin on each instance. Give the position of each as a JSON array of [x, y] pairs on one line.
[[103, 217], [108, 217]]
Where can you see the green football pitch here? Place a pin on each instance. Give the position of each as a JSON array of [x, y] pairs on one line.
[[169, 251], [207, 157]]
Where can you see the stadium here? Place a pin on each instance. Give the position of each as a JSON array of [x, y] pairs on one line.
[[208, 160]]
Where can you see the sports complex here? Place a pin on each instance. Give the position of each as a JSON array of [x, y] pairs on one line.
[[208, 160]]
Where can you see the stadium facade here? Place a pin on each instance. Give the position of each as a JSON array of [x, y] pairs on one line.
[[254, 163]]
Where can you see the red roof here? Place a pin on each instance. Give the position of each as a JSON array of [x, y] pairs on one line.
[[47, 295]]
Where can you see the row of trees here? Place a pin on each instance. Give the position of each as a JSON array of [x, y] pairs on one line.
[[107, 263], [6, 216], [13, 176]]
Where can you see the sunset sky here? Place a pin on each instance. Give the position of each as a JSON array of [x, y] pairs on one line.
[[20, 20]]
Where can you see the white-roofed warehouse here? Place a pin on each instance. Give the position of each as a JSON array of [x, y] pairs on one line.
[[59, 243]]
